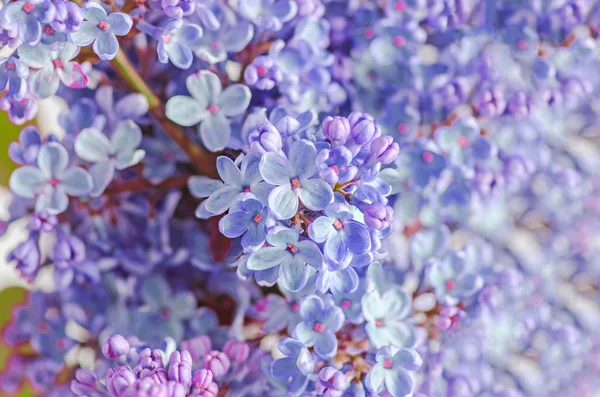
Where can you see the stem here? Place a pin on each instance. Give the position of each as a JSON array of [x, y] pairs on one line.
[[203, 160]]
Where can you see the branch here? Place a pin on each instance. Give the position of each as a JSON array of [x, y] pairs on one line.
[[203, 160]]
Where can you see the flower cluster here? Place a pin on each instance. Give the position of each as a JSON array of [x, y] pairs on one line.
[[304, 197]]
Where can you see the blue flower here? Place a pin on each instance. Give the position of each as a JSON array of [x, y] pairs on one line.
[[337, 275], [26, 17], [290, 256], [210, 107], [28, 257], [392, 372], [340, 233], [463, 143], [335, 165], [294, 178], [13, 73], [236, 184], [164, 310], [386, 314], [295, 367], [118, 152], [26, 150], [424, 164], [263, 73], [320, 320], [81, 115], [215, 44], [51, 180], [351, 302], [132, 106], [250, 220], [162, 156], [268, 14], [101, 29], [452, 280], [174, 41], [397, 41]]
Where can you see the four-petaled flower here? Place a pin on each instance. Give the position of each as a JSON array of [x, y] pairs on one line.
[[101, 29], [51, 180], [174, 41], [295, 179], [452, 280], [268, 14], [26, 17], [320, 320], [13, 73], [295, 367], [250, 220], [210, 107], [392, 371]]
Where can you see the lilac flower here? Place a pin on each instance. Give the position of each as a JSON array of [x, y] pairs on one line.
[[54, 67], [424, 165], [392, 372], [26, 17], [51, 180], [250, 221], [209, 107], [101, 29], [351, 302], [290, 256], [335, 165], [452, 280], [26, 150], [120, 152], [19, 111], [218, 363], [27, 255], [337, 275], [268, 14], [178, 8], [294, 178], [114, 347], [161, 158], [263, 73], [340, 233], [215, 43], [386, 314], [132, 106], [237, 182], [81, 115], [174, 41], [68, 16], [397, 41], [320, 320], [13, 73], [331, 383], [295, 367]]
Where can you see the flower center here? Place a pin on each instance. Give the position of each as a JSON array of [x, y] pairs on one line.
[[54, 182], [388, 363], [319, 327], [450, 285], [28, 7], [427, 157], [257, 218], [399, 41], [57, 63], [345, 304], [379, 323], [215, 46], [292, 248], [261, 70], [295, 306], [103, 25], [167, 38], [295, 183], [521, 44], [213, 109], [463, 141], [337, 224], [246, 189], [61, 343], [165, 313], [402, 128], [369, 33], [400, 6], [48, 30]]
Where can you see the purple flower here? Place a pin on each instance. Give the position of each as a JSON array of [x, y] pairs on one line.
[[295, 367], [263, 73], [335, 165], [114, 347], [452, 280], [68, 251], [218, 41], [174, 41], [119, 379], [26, 150], [178, 8], [26, 17], [51, 180], [294, 178], [289, 256], [180, 368], [202, 378], [268, 14], [336, 129], [210, 107], [19, 111], [383, 150], [13, 73], [378, 216], [250, 221], [320, 320], [331, 383], [101, 29], [198, 347], [391, 372], [237, 351], [217, 362]]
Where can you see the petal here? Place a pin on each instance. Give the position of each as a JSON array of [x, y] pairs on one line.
[[335, 249], [302, 159], [284, 368], [326, 345], [275, 169], [377, 335], [401, 334], [234, 100], [375, 378], [84, 36], [185, 111], [345, 280], [183, 305], [106, 46], [305, 334], [312, 308], [76, 181], [239, 36], [383, 51], [293, 274], [44, 83], [228, 171], [234, 224], [190, 33], [155, 292], [179, 54], [310, 253], [202, 186], [52, 200], [31, 31], [398, 383], [94, 12], [205, 87], [446, 138], [52, 159], [265, 258], [315, 194], [102, 174], [92, 145], [255, 235], [26, 181], [120, 23], [131, 106], [127, 137], [408, 359], [222, 199], [73, 76], [215, 132], [283, 202], [320, 229], [282, 237], [284, 10], [356, 237]]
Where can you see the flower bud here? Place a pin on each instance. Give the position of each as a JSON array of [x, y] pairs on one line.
[[217, 362], [67, 250], [336, 129], [265, 138], [378, 216], [384, 149], [363, 128], [331, 383], [85, 382], [202, 378], [118, 380], [27, 256], [115, 347], [198, 347], [237, 351], [180, 367]]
